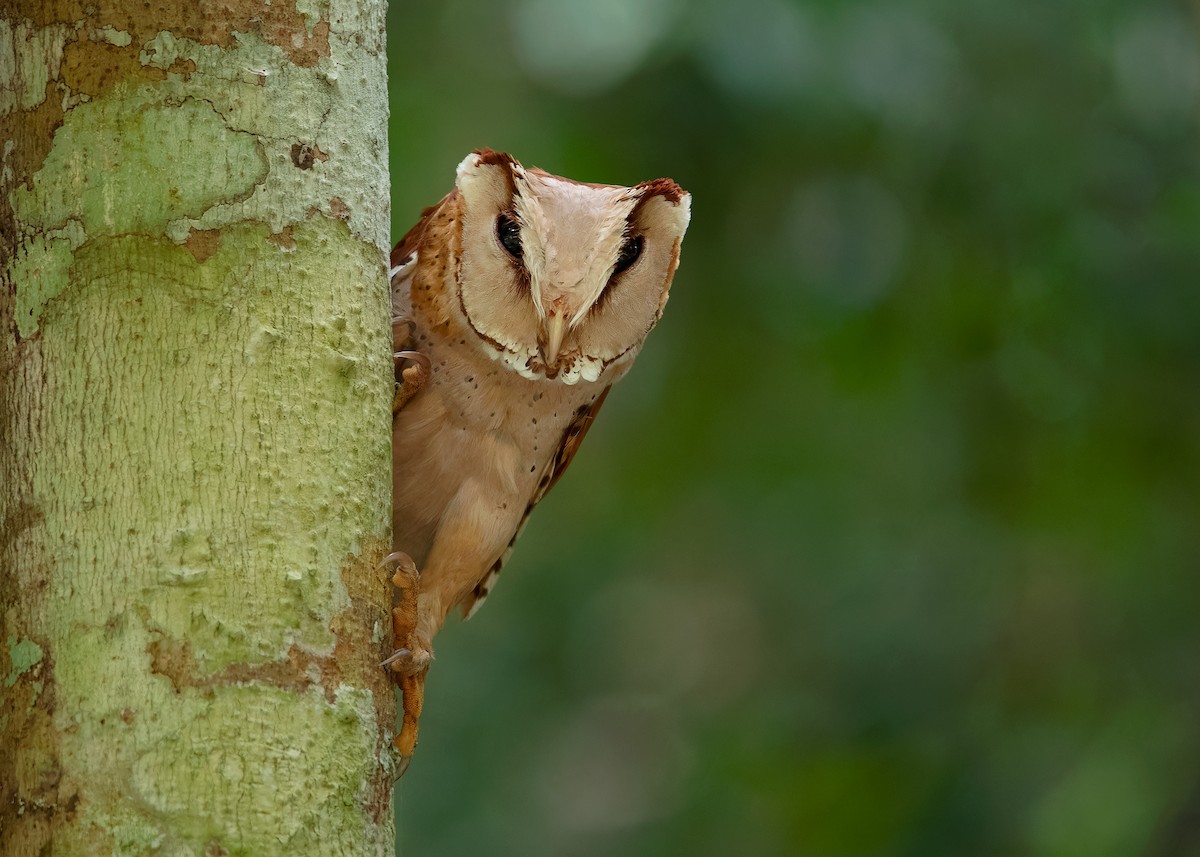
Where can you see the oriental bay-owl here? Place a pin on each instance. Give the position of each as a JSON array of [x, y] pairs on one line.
[[518, 300]]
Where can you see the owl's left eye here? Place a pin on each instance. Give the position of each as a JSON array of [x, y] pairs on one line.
[[631, 251], [508, 231]]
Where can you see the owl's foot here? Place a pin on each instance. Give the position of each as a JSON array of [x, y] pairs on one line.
[[409, 663], [406, 661], [412, 690], [411, 655], [412, 378]]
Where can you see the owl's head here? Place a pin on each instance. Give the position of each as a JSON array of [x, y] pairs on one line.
[[561, 279]]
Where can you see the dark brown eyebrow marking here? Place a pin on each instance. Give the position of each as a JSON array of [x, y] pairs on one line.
[[491, 156], [665, 188]]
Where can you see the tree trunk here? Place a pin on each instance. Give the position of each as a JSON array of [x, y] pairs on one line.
[[194, 428]]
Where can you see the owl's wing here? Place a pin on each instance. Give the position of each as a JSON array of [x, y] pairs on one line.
[[557, 465], [406, 247], [403, 264], [410, 368]]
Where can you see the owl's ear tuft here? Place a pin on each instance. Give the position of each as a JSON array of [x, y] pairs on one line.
[[491, 175]]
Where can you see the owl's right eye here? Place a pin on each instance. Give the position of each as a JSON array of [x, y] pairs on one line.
[[508, 232]]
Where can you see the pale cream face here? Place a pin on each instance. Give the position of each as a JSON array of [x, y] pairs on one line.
[[562, 280]]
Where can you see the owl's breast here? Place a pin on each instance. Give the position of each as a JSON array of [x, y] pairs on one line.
[[475, 420]]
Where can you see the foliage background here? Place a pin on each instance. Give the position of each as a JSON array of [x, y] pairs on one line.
[[889, 546]]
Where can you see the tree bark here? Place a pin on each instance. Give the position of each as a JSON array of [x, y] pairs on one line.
[[194, 428]]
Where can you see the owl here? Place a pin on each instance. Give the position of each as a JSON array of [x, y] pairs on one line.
[[518, 300]]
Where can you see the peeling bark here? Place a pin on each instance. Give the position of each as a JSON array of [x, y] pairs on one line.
[[194, 428]]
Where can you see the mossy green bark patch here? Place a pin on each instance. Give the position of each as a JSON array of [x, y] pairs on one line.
[[29, 59], [24, 655], [313, 12], [208, 145], [263, 93], [110, 167], [111, 35], [40, 271]]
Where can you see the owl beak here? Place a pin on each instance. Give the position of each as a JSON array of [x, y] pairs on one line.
[[555, 327]]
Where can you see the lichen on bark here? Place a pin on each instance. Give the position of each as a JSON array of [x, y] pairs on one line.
[[194, 428]]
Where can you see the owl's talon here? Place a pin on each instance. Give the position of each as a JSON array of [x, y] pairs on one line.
[[406, 661], [400, 558], [401, 766], [395, 656], [406, 576], [417, 357], [409, 662], [406, 657], [412, 378]]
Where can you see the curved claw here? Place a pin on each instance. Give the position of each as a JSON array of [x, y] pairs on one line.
[[412, 378], [400, 558], [416, 357], [395, 656], [401, 767]]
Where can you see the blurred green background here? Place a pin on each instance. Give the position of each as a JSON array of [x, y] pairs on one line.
[[890, 543]]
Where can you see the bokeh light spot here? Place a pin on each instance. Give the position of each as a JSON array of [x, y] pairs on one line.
[[899, 65], [1157, 66], [583, 47], [760, 48]]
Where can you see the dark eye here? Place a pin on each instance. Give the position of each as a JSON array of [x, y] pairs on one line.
[[508, 231], [630, 251]]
